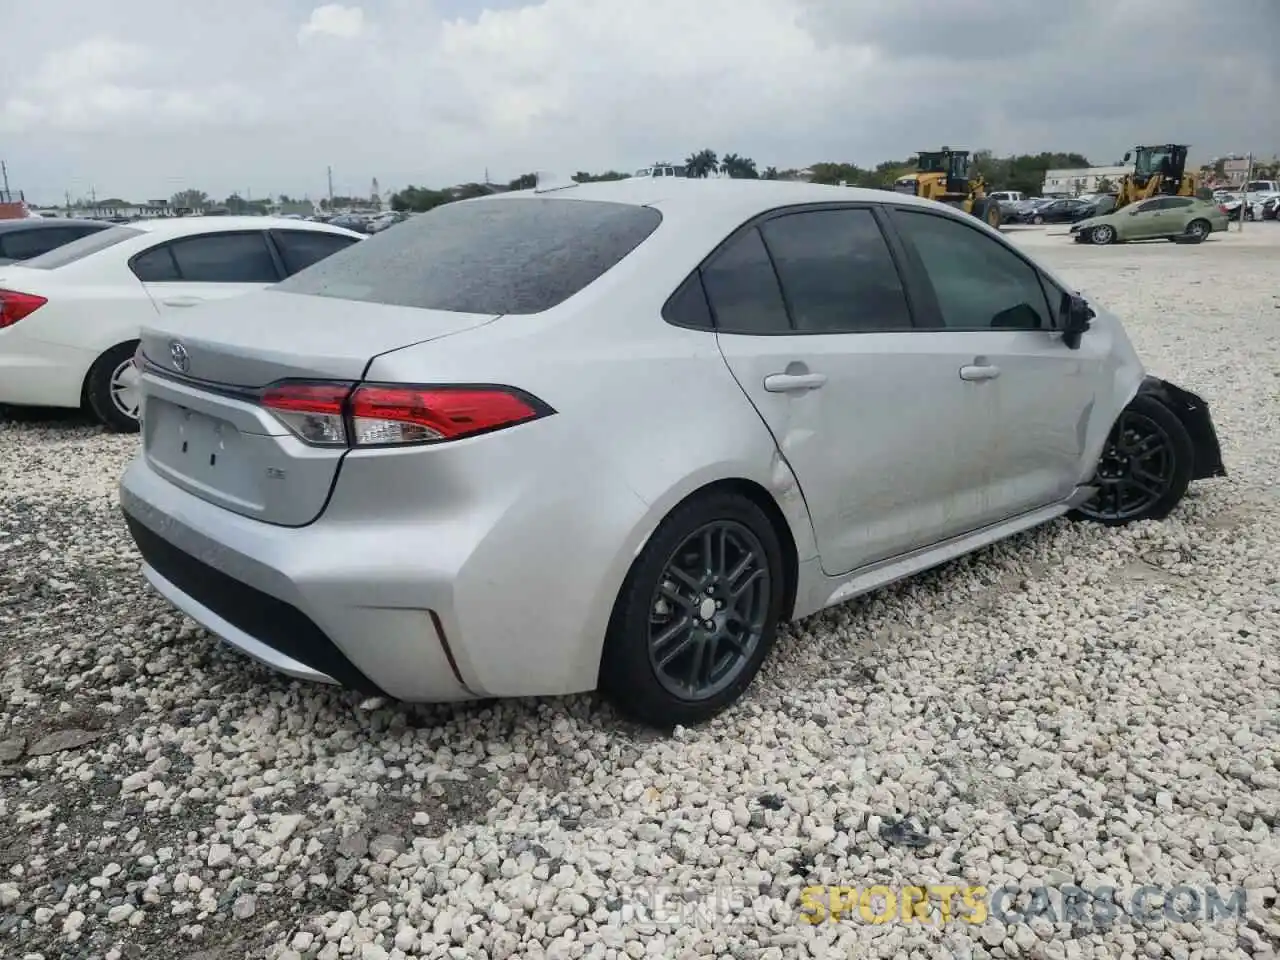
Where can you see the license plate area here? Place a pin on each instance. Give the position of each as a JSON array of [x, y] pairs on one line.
[[202, 453]]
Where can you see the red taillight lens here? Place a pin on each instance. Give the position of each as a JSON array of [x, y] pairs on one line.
[[394, 414], [313, 411], [332, 415], [14, 306]]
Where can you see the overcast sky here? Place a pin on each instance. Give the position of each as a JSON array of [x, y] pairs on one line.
[[142, 98]]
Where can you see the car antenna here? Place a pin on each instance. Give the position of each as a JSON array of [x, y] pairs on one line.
[[546, 182]]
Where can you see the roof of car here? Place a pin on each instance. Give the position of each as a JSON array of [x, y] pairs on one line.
[[41, 223], [714, 195], [181, 226]]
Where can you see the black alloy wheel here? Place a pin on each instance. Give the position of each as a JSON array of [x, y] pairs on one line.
[[697, 613], [1145, 466], [709, 610]]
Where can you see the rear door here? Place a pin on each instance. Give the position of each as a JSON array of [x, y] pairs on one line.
[[994, 309], [188, 271], [1176, 214], [814, 320]]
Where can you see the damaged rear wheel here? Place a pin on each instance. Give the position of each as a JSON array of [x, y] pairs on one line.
[[1145, 468]]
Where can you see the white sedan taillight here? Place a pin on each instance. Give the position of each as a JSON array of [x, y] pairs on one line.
[[376, 415]]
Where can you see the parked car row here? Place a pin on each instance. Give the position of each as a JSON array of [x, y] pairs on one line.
[[70, 317], [1059, 210], [632, 398], [362, 223]]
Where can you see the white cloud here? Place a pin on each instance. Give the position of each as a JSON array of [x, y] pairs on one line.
[[333, 20], [141, 95]]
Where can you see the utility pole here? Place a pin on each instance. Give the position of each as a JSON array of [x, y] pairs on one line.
[[67, 194], [5, 171], [1244, 193], [329, 171]]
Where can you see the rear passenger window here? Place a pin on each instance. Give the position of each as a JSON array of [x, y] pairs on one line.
[[225, 258], [743, 289], [299, 249], [155, 266], [979, 283], [836, 272]]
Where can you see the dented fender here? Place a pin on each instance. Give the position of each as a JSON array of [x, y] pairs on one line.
[[1193, 411]]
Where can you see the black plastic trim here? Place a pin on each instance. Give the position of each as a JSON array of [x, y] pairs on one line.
[[272, 621], [1193, 411]]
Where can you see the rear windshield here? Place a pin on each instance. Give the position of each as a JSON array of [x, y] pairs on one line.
[[513, 255], [79, 249]]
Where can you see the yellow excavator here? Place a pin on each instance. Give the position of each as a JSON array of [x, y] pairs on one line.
[[943, 175], [1156, 170]]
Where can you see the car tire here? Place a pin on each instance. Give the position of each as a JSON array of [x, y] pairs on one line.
[[1038, 220], [1102, 235], [677, 584], [107, 389], [1197, 230], [1145, 468]]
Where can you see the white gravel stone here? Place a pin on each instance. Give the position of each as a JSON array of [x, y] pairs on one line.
[[1079, 705]]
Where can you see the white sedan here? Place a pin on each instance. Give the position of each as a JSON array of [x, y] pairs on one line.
[[69, 319]]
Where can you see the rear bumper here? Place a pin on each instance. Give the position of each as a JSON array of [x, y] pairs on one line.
[[293, 599], [34, 373]]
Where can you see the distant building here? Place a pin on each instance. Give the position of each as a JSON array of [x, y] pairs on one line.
[[1235, 170], [1073, 182]]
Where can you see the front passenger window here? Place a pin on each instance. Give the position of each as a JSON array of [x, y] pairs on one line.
[[978, 282]]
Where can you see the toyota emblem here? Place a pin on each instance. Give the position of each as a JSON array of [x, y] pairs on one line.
[[178, 354]]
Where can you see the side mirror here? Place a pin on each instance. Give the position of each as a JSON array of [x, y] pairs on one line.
[[1077, 319], [1127, 156], [1133, 213]]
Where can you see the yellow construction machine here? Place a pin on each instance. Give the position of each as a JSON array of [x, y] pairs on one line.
[[1156, 170], [943, 175]]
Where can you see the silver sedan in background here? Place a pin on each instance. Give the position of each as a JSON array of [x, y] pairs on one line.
[[612, 435]]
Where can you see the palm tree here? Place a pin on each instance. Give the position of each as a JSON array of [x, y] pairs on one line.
[[739, 168], [701, 164]]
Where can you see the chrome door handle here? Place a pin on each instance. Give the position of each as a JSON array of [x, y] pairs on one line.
[[979, 372], [794, 382], [182, 301]]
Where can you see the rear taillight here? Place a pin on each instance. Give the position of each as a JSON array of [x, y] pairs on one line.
[[313, 411], [375, 415], [393, 414], [14, 306]]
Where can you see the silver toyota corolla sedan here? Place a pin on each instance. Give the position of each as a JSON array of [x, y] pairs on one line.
[[612, 435]]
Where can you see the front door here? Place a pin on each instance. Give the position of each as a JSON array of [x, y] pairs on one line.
[[885, 437], [991, 299]]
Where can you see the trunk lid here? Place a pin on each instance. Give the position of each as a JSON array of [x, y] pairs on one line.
[[253, 340], [203, 429]]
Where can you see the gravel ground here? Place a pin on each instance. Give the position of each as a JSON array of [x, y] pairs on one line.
[[1078, 706]]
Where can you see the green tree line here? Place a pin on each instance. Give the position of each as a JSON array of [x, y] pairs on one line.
[[1023, 172]]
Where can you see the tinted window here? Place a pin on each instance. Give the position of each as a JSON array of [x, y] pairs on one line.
[[743, 289], [79, 249], [155, 265], [1176, 203], [836, 272], [301, 248], [688, 305], [979, 283], [23, 244], [225, 258], [506, 255]]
